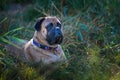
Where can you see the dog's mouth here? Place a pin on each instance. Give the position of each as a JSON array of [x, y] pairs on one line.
[[58, 40]]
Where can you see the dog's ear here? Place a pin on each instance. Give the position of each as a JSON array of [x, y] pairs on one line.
[[38, 23]]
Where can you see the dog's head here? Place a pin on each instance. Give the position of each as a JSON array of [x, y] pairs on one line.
[[51, 29]]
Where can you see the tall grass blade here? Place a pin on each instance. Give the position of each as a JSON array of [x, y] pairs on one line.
[[14, 30], [3, 20], [8, 42]]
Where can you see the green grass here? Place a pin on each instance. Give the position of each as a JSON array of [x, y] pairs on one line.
[[91, 39]]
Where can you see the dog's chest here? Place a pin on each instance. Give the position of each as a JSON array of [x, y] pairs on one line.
[[45, 56], [55, 56], [50, 57], [36, 54]]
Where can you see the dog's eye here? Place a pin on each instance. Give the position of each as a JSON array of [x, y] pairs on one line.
[[59, 25], [51, 24]]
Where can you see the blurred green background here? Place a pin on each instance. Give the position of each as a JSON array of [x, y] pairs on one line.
[[91, 38]]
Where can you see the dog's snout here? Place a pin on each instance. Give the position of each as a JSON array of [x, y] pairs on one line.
[[58, 36], [58, 32]]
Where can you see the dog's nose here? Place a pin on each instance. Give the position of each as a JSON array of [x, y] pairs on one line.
[[58, 32]]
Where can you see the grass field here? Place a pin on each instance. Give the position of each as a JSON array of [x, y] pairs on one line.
[[91, 38]]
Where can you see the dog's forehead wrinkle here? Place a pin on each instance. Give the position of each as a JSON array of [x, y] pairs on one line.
[[55, 23], [53, 19]]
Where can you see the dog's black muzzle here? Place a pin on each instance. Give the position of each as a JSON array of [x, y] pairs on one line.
[[58, 36], [55, 36]]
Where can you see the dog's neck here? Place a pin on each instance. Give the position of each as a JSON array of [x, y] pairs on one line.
[[38, 37]]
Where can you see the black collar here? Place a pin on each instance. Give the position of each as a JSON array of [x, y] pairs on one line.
[[43, 46]]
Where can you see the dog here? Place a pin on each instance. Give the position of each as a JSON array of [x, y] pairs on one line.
[[45, 44]]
